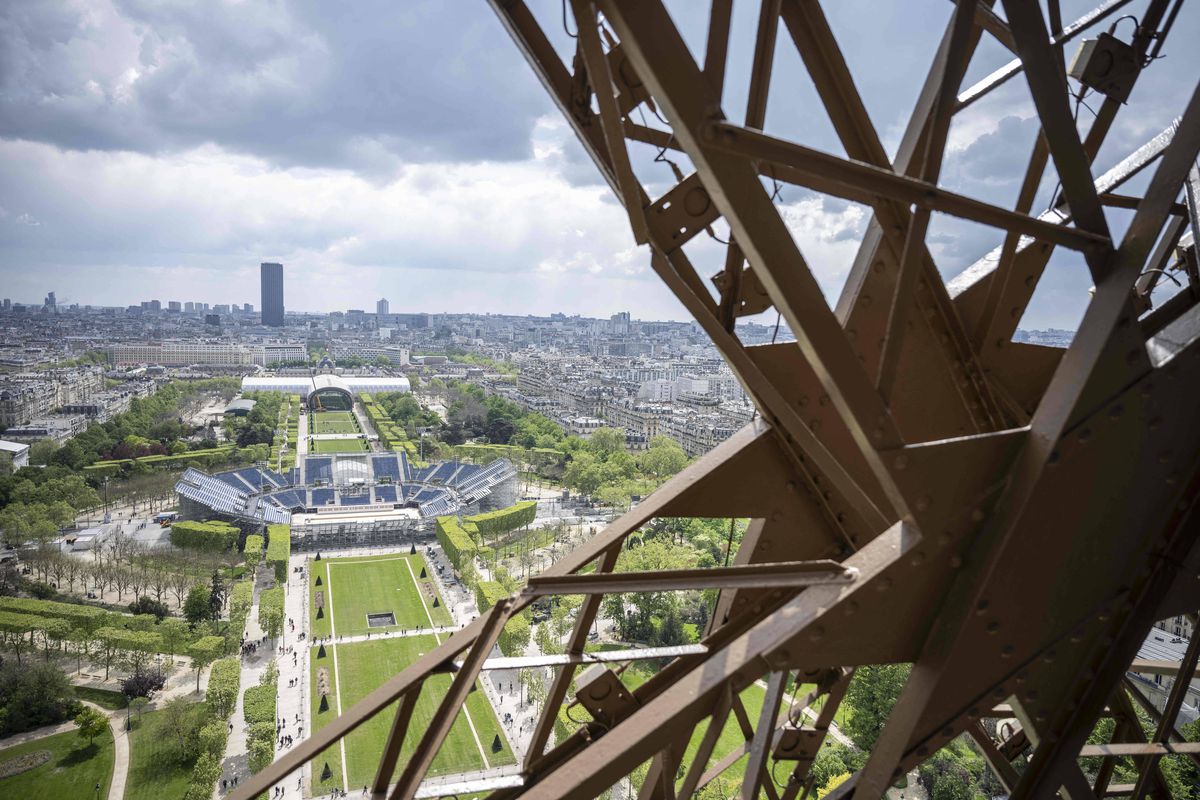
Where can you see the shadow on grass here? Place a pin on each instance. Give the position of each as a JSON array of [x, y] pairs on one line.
[[78, 755]]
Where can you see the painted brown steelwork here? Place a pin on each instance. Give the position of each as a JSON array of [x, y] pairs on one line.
[[1010, 519]]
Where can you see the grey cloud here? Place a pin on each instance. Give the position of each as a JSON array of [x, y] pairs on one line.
[[366, 86]]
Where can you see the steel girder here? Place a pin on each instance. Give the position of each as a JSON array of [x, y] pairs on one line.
[[1010, 519]]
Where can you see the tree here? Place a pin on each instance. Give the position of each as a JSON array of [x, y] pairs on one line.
[[179, 724], [606, 442], [952, 773], [204, 651], [872, 693], [34, 695], [216, 597], [652, 555], [41, 451], [174, 635], [91, 724], [663, 458], [196, 608], [143, 682], [147, 605]]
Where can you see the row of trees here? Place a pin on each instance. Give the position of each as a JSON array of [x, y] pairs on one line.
[[127, 568]]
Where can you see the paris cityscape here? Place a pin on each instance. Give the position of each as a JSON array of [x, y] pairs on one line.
[[467, 400]]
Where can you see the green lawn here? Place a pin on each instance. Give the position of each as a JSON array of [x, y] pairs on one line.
[[105, 698], [369, 585], [151, 774], [337, 446], [364, 666], [73, 770], [332, 422]]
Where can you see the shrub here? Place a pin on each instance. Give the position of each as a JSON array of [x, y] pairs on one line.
[[204, 776], [148, 605], [504, 520], [258, 704], [253, 551], [34, 695], [213, 737], [241, 598]]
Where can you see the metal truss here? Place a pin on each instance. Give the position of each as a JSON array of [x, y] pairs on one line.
[[1008, 518]]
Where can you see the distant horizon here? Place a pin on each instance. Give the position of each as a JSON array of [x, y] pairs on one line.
[[145, 149]]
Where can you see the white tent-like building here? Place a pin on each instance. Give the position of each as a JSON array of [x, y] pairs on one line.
[[317, 385]]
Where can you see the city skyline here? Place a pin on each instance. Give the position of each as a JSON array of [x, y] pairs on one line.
[[138, 149]]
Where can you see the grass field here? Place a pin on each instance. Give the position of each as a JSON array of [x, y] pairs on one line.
[[73, 770], [105, 698], [370, 585], [337, 446], [152, 776], [332, 422], [364, 666]]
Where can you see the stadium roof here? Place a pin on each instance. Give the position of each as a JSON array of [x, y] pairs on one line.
[[305, 385], [241, 405]]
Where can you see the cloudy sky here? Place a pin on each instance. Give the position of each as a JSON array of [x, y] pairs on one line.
[[163, 148]]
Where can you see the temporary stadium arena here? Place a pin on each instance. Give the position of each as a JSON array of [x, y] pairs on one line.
[[325, 392], [348, 499]]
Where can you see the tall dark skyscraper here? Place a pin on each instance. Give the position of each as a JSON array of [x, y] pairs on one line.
[[272, 294]]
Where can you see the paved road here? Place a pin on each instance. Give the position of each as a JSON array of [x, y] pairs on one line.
[[116, 724], [237, 758]]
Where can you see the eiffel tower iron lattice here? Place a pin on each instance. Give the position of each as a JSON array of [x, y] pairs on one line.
[[1010, 519]]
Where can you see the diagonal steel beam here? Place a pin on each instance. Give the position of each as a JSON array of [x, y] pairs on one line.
[[448, 710], [855, 180], [655, 47], [1047, 84]]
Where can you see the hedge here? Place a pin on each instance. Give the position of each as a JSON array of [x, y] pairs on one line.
[[514, 638], [21, 624], [258, 704], [487, 594], [81, 616], [279, 549], [537, 457], [494, 523], [241, 598], [270, 611], [167, 459], [138, 641], [211, 536], [456, 542], [224, 682], [259, 710]]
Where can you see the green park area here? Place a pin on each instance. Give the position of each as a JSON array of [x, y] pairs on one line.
[[352, 588], [332, 422], [154, 768], [67, 766], [323, 446], [474, 742]]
